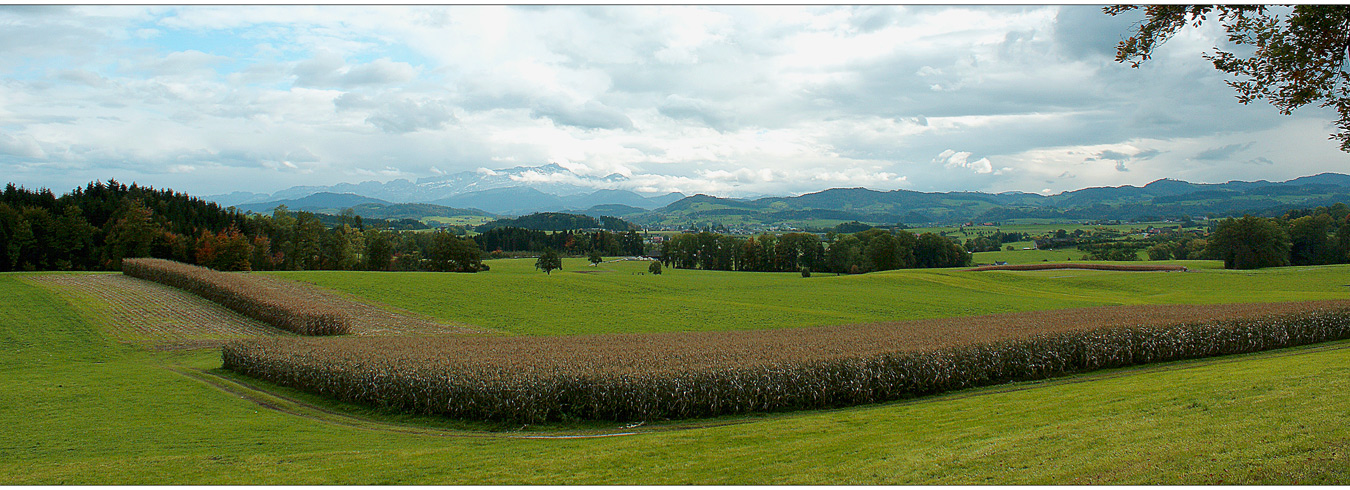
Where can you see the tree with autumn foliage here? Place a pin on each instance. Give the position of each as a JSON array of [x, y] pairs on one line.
[[227, 250]]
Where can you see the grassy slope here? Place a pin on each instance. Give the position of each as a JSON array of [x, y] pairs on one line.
[[514, 298], [82, 409]]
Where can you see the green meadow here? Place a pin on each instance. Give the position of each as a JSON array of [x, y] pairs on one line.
[[82, 408], [619, 296]]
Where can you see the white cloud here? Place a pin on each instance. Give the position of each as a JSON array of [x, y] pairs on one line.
[[729, 99], [960, 159]]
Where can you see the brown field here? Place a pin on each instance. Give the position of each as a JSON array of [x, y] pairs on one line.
[[153, 315], [699, 374], [1095, 267]]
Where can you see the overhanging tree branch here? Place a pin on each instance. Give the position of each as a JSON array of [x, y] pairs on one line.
[[1299, 58]]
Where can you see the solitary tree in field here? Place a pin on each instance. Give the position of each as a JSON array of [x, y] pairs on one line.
[[655, 268], [548, 261], [1295, 59], [594, 257]]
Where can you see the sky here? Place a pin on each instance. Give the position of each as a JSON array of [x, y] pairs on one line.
[[725, 100]]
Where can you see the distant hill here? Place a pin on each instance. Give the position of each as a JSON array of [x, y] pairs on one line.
[[619, 197], [413, 211], [507, 200], [1162, 198], [830, 207], [324, 202], [617, 210]]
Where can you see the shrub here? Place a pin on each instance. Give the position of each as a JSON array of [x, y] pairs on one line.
[[655, 268], [271, 302]]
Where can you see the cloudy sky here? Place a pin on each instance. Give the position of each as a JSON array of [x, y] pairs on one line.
[[732, 101]]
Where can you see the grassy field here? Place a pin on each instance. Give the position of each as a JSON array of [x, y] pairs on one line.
[[82, 408], [619, 297]]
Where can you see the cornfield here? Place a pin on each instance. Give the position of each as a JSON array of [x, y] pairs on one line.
[[266, 301], [703, 374], [1098, 267]]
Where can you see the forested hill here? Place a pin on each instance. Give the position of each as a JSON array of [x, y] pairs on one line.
[[558, 222], [1163, 198]]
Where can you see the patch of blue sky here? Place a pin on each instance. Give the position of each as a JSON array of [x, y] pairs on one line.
[[270, 44]]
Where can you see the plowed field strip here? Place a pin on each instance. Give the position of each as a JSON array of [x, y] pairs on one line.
[[153, 315]]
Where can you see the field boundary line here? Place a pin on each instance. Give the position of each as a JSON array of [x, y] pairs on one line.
[[272, 400]]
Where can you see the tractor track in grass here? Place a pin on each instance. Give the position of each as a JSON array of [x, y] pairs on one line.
[[278, 402]]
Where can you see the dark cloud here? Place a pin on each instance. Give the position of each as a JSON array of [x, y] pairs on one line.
[[591, 115], [327, 70], [1147, 154], [407, 116], [1222, 152], [678, 107], [1083, 31], [1113, 155], [871, 18]]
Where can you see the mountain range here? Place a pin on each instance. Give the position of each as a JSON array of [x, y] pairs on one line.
[[524, 190]]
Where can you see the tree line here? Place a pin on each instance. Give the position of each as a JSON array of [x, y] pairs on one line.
[[95, 227], [1310, 236], [875, 249], [1300, 237], [572, 242], [558, 222]]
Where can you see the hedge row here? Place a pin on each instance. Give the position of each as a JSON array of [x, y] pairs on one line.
[[272, 302], [552, 379]]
